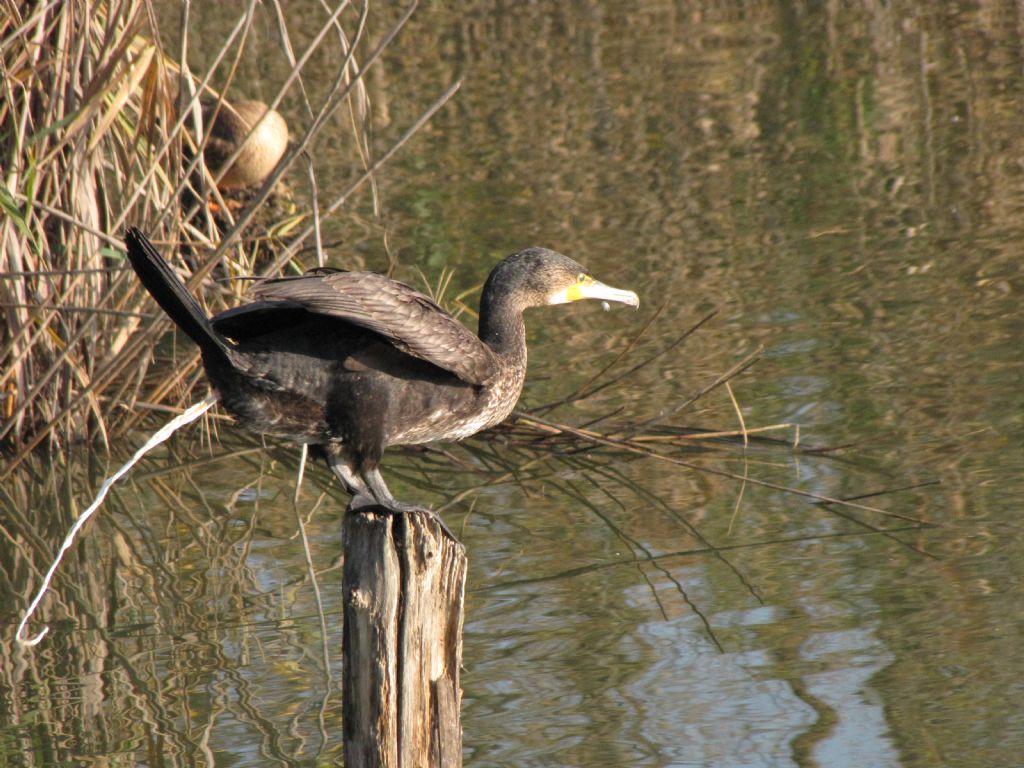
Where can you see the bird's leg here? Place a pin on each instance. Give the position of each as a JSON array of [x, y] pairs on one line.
[[350, 481], [380, 492], [379, 489]]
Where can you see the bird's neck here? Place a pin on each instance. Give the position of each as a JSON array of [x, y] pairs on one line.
[[502, 329]]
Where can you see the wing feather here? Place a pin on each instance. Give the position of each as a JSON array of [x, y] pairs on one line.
[[407, 318]]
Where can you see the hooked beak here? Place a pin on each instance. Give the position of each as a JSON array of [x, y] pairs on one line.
[[596, 290]]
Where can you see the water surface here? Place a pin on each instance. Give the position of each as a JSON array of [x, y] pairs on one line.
[[845, 186]]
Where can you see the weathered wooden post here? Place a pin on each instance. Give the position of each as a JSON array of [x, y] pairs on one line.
[[404, 584]]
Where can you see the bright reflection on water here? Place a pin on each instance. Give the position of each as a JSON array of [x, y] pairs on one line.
[[845, 186]]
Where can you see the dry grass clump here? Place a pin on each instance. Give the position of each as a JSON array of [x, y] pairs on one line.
[[97, 127], [73, 133]]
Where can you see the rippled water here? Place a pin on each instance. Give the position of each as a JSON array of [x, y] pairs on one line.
[[846, 187]]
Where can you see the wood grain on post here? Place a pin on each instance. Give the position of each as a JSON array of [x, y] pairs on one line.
[[404, 584]]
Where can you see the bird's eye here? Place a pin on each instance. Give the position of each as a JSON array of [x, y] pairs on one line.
[[581, 278]]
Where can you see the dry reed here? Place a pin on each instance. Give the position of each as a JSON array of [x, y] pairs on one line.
[[97, 127]]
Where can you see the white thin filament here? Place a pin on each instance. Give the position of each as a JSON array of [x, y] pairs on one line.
[[190, 415]]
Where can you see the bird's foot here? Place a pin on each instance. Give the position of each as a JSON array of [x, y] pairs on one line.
[[402, 508], [364, 503]]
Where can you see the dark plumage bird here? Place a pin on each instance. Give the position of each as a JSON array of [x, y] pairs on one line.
[[355, 362]]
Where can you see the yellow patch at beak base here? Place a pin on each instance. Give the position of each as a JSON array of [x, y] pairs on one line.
[[577, 290]]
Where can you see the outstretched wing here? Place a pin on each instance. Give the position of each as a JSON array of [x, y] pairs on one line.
[[407, 318]]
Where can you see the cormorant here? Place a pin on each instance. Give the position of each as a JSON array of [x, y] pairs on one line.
[[355, 362]]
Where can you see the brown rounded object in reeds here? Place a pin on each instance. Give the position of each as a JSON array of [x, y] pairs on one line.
[[231, 124]]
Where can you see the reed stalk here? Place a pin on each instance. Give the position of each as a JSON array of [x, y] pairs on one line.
[[98, 127]]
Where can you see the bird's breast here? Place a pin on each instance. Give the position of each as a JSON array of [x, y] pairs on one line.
[[460, 414]]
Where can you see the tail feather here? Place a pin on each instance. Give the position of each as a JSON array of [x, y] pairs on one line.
[[170, 293]]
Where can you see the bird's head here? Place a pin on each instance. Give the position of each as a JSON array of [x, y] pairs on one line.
[[537, 276]]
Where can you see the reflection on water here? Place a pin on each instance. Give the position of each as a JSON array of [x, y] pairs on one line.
[[845, 184]]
